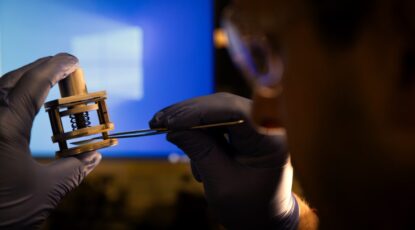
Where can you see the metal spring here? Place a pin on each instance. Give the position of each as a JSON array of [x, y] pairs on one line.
[[80, 120]]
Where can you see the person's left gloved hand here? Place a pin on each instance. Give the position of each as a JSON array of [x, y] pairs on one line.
[[28, 190]]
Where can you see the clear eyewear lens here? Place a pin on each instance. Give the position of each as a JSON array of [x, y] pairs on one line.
[[251, 54]]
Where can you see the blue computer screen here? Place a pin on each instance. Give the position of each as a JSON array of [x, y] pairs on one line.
[[146, 54]]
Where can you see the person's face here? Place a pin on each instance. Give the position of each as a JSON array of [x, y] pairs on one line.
[[349, 109]]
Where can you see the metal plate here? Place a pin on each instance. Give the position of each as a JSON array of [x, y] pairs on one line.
[[86, 148], [79, 109], [76, 100]]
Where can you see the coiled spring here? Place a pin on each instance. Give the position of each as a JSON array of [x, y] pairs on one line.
[[80, 120]]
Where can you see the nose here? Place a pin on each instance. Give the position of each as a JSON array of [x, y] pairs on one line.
[[267, 110]]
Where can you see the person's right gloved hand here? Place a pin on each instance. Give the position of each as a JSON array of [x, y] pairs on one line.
[[247, 176], [30, 191]]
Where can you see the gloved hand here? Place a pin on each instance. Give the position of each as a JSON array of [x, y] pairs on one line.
[[28, 190], [247, 176]]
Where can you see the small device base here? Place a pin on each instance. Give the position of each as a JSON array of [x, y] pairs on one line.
[[86, 148]]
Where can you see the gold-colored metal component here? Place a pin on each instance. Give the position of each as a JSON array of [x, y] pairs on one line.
[[76, 103]]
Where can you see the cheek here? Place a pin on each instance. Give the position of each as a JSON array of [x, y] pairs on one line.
[[305, 89], [307, 98], [305, 103], [322, 114]]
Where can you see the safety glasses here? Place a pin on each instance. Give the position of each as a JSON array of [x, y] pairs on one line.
[[251, 52]]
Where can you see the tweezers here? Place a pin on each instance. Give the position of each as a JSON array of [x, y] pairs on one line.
[[157, 131]]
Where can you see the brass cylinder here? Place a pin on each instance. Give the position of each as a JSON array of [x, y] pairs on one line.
[[75, 104], [73, 85]]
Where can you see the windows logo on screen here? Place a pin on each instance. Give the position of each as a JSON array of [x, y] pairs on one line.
[[113, 60]]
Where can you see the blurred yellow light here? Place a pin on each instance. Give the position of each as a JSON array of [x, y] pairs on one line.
[[220, 38]]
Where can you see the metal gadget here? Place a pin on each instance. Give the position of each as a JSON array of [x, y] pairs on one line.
[[76, 104]]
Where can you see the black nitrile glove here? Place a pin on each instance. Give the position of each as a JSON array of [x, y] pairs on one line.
[[28, 190], [247, 176]]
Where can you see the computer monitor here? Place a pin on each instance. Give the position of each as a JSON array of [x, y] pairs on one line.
[[146, 54]]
